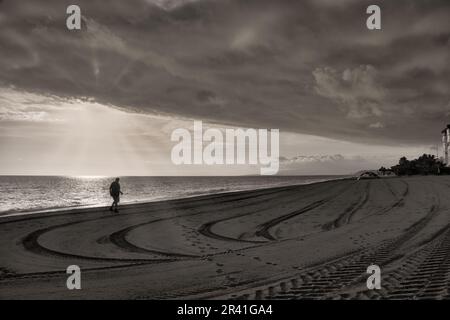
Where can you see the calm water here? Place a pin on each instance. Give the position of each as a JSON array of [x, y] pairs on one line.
[[23, 193]]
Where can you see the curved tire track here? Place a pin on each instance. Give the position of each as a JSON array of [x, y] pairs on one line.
[[332, 278], [347, 215], [31, 241], [262, 229]]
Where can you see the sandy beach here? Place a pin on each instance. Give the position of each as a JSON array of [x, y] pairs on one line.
[[300, 242]]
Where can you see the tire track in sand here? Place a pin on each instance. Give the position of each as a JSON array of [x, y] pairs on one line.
[[31, 241], [425, 274], [331, 279], [262, 229]]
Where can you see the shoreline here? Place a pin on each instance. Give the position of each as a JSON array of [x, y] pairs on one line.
[[253, 244], [26, 212]]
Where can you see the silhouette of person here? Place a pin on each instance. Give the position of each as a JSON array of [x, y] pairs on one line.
[[114, 191]]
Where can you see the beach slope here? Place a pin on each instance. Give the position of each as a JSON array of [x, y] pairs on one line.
[[303, 242]]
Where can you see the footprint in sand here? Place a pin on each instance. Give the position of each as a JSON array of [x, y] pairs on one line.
[[219, 271], [257, 258]]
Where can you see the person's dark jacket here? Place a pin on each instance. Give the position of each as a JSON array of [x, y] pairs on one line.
[[114, 189]]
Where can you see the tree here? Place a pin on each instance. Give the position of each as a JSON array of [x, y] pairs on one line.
[[424, 165]]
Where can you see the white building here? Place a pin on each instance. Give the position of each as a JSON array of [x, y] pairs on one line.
[[446, 142]]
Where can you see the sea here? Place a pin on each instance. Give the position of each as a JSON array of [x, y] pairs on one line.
[[37, 193]]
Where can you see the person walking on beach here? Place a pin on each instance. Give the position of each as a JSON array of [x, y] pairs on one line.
[[114, 191]]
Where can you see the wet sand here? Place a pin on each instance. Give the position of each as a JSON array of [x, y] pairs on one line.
[[301, 242]]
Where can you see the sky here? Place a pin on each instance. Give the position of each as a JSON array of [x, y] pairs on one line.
[[104, 100]]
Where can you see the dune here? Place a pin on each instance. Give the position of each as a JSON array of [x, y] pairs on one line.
[[297, 242]]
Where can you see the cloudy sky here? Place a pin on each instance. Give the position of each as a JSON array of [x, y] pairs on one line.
[[104, 100]]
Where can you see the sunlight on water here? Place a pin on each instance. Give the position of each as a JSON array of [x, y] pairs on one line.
[[86, 177]]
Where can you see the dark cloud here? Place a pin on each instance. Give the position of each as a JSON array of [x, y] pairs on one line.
[[302, 66]]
